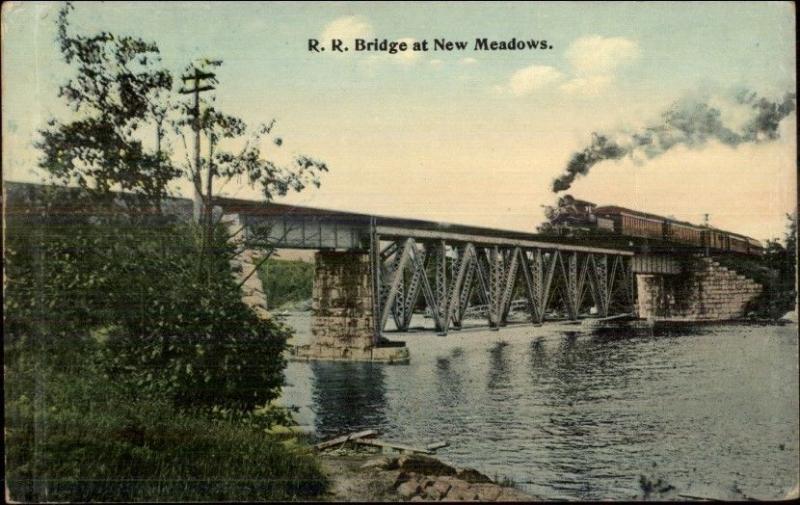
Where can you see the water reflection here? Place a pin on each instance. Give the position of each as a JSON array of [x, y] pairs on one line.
[[581, 415], [348, 396], [449, 381], [499, 367]]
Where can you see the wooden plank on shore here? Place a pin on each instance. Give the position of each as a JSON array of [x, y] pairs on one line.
[[700, 498], [345, 438], [612, 318], [391, 445], [436, 445]]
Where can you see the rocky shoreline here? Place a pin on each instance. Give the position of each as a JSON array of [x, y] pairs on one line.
[[365, 476]]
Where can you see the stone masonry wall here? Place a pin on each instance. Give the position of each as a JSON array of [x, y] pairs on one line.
[[342, 322], [243, 267], [342, 302], [707, 291]]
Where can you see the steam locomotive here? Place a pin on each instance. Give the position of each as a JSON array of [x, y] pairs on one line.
[[574, 214]]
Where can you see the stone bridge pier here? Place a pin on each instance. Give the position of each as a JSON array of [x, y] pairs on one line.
[[342, 325]]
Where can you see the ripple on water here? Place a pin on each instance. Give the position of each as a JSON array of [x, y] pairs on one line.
[[576, 416]]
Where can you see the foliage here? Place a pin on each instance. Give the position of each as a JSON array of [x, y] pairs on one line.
[[109, 327], [119, 92], [286, 281], [123, 95], [208, 347], [74, 435], [775, 271], [782, 259], [135, 370], [224, 162], [173, 314], [171, 324]]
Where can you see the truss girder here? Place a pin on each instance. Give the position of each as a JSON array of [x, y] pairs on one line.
[[447, 275]]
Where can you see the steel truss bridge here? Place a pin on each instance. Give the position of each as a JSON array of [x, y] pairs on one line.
[[448, 273], [449, 267]]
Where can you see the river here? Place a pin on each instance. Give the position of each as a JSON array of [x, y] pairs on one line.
[[567, 414]]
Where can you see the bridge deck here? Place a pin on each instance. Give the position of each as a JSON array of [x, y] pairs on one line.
[[301, 227]]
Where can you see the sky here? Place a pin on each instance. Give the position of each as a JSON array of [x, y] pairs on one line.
[[473, 137]]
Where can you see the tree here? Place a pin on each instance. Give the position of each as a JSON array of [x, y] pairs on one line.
[[224, 162], [169, 325], [121, 95]]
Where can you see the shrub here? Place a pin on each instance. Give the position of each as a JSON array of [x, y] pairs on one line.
[[170, 312]]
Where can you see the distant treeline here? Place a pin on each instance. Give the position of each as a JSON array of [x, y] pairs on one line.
[[287, 281]]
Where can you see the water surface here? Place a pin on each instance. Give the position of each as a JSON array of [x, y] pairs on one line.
[[712, 410]]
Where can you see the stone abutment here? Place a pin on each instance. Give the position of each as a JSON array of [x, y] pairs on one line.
[[705, 291]]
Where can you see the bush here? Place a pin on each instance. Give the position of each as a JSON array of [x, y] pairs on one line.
[[777, 296], [199, 341], [112, 321], [76, 436], [170, 312]]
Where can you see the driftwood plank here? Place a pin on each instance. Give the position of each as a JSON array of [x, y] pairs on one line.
[[701, 498], [345, 438], [391, 445], [436, 445]]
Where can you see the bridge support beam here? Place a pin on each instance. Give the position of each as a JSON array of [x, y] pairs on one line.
[[343, 313]]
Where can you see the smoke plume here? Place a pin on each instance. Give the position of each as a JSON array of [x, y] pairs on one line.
[[689, 122]]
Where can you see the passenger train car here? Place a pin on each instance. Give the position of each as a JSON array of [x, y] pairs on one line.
[[573, 213]]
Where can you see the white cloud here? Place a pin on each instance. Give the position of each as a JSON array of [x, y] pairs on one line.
[[592, 85], [468, 61], [595, 54], [533, 78], [593, 61], [347, 28]]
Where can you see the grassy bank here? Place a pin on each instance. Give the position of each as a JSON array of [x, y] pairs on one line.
[[73, 434]]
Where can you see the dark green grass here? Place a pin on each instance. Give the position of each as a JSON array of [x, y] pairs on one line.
[[72, 436]]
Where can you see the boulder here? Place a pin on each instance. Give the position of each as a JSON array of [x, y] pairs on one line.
[[456, 485], [402, 477], [462, 494], [440, 487], [511, 494], [472, 476], [408, 489], [383, 463], [433, 494], [487, 492], [424, 465]]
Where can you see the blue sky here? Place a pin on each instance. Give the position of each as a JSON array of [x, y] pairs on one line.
[[473, 137]]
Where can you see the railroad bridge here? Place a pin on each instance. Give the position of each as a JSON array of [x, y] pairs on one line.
[[373, 273]]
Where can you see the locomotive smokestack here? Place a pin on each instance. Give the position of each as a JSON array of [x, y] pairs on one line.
[[688, 122]]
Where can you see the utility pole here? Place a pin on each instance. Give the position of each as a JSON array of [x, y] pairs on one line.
[[196, 178]]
